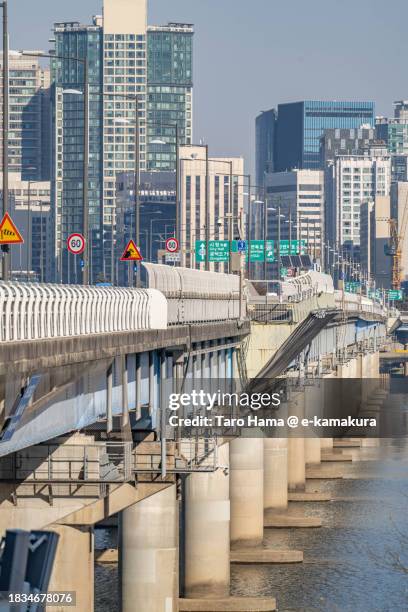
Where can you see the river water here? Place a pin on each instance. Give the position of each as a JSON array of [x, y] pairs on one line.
[[356, 562]]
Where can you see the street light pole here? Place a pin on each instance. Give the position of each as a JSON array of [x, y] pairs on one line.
[[178, 237], [5, 248], [137, 185], [230, 216], [85, 210], [279, 242], [207, 210], [29, 263], [249, 225]]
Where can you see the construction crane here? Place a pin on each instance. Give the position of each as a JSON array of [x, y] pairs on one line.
[[394, 247]]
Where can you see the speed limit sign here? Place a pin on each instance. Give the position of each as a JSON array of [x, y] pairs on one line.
[[172, 245], [76, 244]]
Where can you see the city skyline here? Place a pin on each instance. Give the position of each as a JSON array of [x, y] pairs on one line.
[[235, 71]]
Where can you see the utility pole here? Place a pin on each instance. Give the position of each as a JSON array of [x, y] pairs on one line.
[[5, 248]]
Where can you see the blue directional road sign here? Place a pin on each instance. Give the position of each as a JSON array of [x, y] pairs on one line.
[[241, 246]]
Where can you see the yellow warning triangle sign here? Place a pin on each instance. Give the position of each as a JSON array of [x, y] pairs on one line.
[[131, 253], [9, 234]]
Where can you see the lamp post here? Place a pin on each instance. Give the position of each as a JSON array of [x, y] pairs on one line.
[[160, 141], [5, 248], [85, 178]]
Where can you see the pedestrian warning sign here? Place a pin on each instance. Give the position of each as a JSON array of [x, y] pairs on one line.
[[9, 234], [131, 253]]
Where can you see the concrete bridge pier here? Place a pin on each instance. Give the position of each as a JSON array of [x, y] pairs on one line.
[[275, 473], [148, 554], [207, 532], [246, 491], [296, 445], [74, 565], [313, 407]]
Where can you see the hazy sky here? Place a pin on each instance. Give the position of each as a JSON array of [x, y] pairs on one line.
[[251, 55]]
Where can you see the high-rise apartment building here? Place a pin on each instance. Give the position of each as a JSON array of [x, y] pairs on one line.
[[265, 125], [351, 180], [117, 46], [78, 41], [29, 124], [193, 202], [301, 124], [169, 92]]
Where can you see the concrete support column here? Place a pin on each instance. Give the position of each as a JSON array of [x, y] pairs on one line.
[[326, 443], [275, 473], [74, 566], [207, 532], [296, 446], [313, 408], [246, 491], [312, 450], [148, 555]]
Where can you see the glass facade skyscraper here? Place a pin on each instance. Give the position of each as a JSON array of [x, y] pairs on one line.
[[169, 92], [265, 125], [301, 124]]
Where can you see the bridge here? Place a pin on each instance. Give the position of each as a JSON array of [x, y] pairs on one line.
[[85, 376]]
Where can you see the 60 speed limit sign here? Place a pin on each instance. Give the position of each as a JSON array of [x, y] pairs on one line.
[[172, 245], [76, 244]]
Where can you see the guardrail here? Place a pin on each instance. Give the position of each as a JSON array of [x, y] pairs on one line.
[[35, 311]]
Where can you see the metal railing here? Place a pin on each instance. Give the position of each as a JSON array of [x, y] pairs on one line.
[[102, 463], [186, 456]]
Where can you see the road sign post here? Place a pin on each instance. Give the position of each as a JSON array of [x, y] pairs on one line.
[[172, 245], [131, 253], [9, 233], [76, 244], [200, 251]]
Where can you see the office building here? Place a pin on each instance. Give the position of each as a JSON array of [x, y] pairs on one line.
[[399, 168], [399, 212], [351, 141], [29, 118], [265, 125], [31, 211], [299, 196], [222, 217], [157, 198], [169, 93], [374, 238], [351, 180], [301, 124]]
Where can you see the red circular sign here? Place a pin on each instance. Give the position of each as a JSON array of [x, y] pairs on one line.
[[76, 244], [172, 245]]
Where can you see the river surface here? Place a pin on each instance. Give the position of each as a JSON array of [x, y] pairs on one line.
[[358, 560]]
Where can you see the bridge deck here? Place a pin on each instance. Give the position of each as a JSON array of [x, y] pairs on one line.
[[36, 355]]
